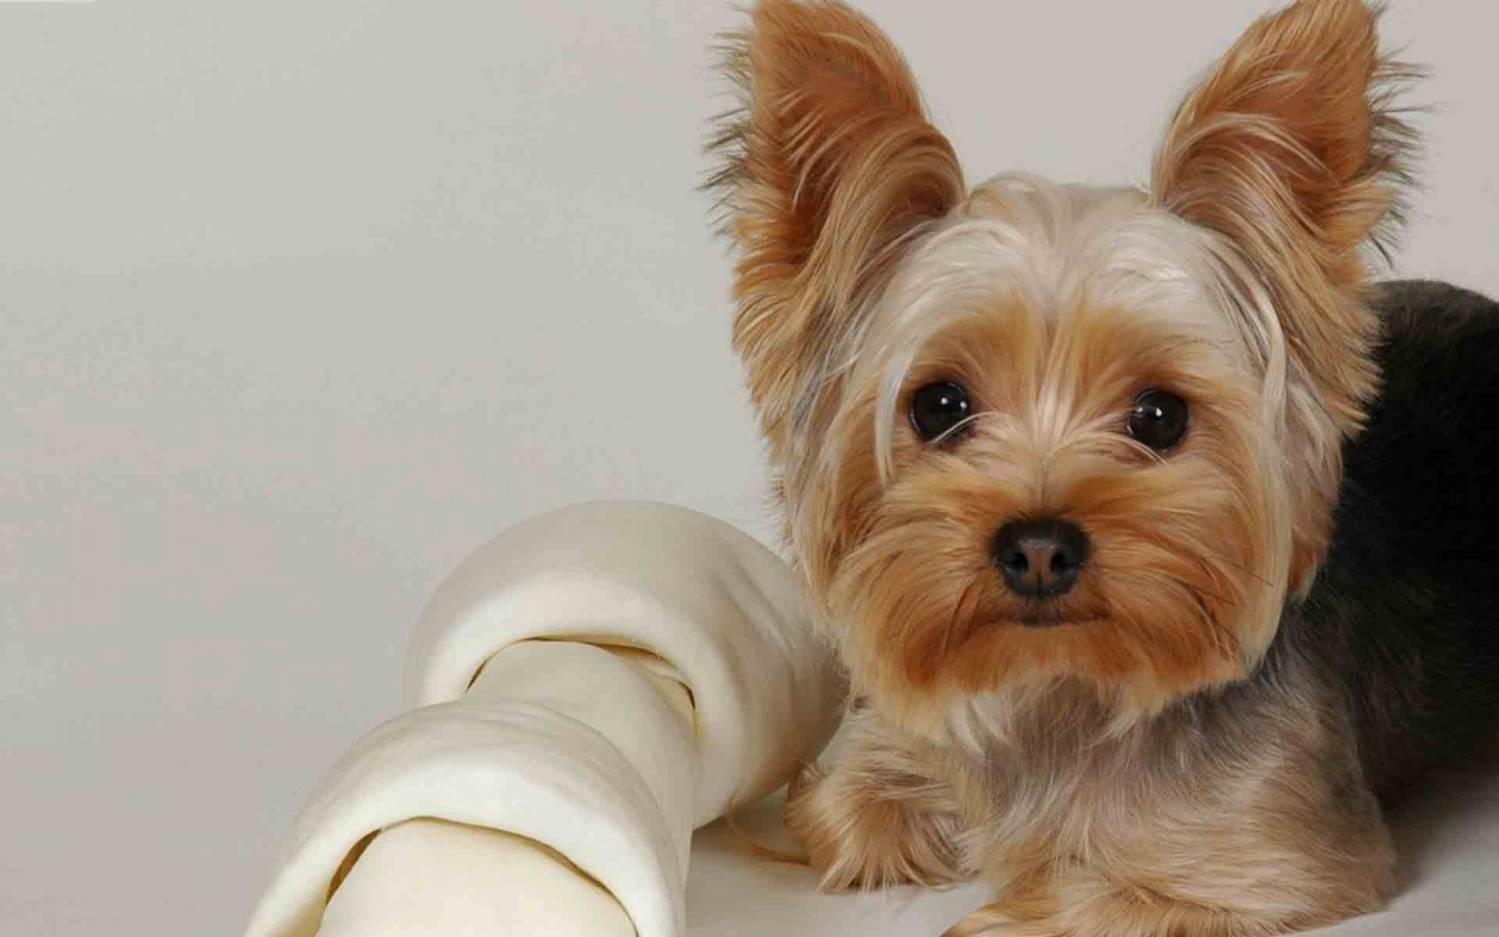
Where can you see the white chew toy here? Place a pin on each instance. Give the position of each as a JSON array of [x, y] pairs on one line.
[[589, 687]]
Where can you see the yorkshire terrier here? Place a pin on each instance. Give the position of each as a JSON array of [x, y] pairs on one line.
[[1155, 537]]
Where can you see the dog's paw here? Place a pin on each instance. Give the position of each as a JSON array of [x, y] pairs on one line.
[[994, 921], [863, 834]]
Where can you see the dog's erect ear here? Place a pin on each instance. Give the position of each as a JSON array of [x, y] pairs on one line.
[[1291, 150], [827, 168]]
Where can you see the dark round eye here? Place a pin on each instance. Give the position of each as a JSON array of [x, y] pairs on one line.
[[937, 408], [1158, 419]]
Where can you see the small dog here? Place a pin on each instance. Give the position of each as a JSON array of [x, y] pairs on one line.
[[1152, 592]]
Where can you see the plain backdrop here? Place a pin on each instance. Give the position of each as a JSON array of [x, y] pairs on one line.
[[302, 300]]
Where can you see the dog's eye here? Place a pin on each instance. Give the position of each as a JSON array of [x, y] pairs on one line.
[[1158, 419], [937, 408]]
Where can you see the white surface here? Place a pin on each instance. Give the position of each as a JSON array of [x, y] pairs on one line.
[[302, 301]]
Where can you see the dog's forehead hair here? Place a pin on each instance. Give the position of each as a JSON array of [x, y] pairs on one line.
[[1059, 248], [1057, 251]]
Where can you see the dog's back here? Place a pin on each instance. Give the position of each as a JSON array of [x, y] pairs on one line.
[[1406, 609]]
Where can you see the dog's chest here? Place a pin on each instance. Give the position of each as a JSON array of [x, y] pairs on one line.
[[1051, 802]]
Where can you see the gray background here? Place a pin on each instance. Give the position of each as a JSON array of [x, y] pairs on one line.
[[301, 301]]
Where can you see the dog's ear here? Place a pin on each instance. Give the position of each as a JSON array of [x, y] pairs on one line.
[[1291, 150], [826, 170]]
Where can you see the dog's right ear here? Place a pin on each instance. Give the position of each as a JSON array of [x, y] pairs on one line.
[[826, 169]]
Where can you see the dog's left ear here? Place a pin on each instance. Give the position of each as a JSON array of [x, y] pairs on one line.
[[1290, 149], [826, 171]]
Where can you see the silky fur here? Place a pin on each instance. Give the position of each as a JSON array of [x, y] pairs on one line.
[[1162, 755]]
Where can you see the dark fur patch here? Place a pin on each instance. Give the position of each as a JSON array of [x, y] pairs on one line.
[[1403, 621]]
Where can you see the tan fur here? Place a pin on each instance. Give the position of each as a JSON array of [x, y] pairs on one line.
[[829, 165], [1095, 770], [1279, 838], [925, 610], [881, 820], [1087, 834]]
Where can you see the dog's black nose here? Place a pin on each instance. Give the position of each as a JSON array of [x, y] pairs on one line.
[[1040, 558]]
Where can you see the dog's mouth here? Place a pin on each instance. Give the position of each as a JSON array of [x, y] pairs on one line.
[[1053, 615], [1052, 621]]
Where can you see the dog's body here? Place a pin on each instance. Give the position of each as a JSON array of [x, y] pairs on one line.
[[1384, 670], [1063, 465]]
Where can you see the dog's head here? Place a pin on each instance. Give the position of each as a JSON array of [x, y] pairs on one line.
[[1033, 435]]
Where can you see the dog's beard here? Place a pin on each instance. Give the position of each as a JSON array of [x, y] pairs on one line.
[[1176, 596]]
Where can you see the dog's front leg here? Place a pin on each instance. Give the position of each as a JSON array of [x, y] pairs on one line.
[[877, 817], [1267, 873]]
